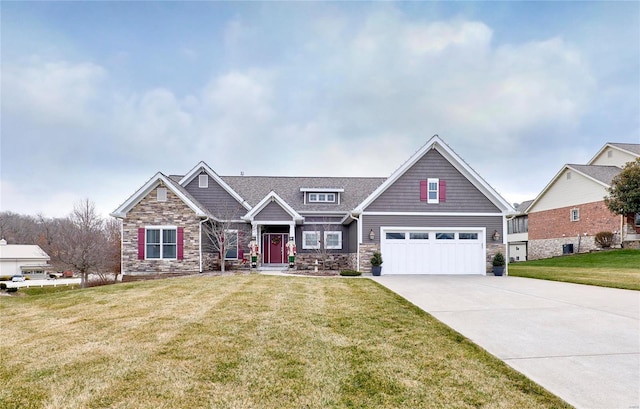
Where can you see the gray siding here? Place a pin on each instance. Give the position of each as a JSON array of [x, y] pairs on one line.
[[353, 237], [318, 227], [323, 219], [375, 222], [216, 200], [274, 212], [404, 194]]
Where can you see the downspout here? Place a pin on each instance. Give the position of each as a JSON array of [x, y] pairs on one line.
[[200, 241], [357, 241]]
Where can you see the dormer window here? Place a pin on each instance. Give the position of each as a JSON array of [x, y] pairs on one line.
[[321, 195]]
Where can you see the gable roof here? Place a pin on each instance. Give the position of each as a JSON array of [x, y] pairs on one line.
[[630, 148], [151, 184], [203, 167], [456, 161], [599, 174], [22, 252], [272, 196]]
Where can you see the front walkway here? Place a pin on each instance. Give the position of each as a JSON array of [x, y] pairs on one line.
[[580, 342]]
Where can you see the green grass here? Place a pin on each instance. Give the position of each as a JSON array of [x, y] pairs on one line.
[[245, 342], [613, 268]]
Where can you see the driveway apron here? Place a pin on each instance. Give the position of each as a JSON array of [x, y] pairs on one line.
[[580, 342]]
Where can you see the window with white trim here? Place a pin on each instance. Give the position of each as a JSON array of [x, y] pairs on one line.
[[432, 190], [575, 215], [203, 181], [333, 240], [231, 245], [322, 197], [161, 243], [310, 240]]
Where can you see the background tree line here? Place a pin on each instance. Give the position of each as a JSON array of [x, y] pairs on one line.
[[82, 242]]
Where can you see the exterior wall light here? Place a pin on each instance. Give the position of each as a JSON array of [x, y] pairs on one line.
[[496, 235], [372, 235]]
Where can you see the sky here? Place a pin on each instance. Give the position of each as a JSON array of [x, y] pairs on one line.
[[96, 97]]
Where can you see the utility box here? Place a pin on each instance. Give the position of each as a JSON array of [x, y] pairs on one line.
[[567, 248]]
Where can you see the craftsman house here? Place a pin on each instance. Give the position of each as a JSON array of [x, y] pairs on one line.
[[433, 215], [568, 213]]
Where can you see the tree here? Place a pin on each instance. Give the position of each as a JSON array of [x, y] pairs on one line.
[[624, 193], [224, 234], [80, 241]]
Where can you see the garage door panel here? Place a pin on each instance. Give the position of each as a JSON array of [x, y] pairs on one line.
[[446, 255]]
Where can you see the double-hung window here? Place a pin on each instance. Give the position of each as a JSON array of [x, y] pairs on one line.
[[432, 190], [161, 243], [310, 239], [332, 240], [575, 215], [231, 245]]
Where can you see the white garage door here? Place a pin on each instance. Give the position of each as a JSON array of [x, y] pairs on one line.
[[432, 251]]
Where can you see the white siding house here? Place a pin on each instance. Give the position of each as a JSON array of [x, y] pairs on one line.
[[21, 258]]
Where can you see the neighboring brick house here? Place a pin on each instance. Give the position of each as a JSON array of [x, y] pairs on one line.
[[570, 210], [434, 215]]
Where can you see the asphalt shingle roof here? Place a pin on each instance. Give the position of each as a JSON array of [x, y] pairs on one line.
[[603, 174], [631, 147], [254, 188]]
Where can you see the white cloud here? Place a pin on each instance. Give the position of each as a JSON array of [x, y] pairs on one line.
[[51, 91]]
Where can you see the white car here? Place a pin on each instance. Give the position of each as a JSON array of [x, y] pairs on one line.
[[17, 277]]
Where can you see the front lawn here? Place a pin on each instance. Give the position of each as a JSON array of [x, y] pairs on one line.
[[613, 268], [244, 342]]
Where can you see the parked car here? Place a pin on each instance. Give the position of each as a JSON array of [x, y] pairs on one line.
[[17, 277]]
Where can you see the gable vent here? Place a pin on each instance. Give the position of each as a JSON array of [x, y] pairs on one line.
[[203, 181], [162, 194]]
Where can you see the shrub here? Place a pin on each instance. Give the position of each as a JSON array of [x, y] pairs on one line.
[[498, 260], [5, 278], [376, 260], [604, 239], [350, 273]]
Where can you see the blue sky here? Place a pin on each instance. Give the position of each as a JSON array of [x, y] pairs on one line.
[[98, 96]]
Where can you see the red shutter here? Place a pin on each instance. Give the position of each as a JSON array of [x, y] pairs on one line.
[[141, 243], [180, 243], [443, 190], [240, 246], [423, 190]]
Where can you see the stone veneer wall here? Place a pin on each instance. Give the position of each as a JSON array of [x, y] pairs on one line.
[[150, 212], [553, 247], [334, 261], [492, 250], [366, 252]]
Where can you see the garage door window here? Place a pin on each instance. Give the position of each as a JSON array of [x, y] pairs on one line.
[[445, 236], [468, 236], [395, 236], [418, 236]]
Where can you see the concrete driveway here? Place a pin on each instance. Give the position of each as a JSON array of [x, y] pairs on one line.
[[580, 342]]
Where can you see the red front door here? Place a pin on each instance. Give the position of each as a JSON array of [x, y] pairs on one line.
[[273, 248]]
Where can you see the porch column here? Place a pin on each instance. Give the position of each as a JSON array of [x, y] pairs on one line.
[[292, 229]]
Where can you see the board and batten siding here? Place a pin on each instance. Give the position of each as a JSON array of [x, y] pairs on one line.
[[216, 200], [273, 212], [369, 222], [404, 194]]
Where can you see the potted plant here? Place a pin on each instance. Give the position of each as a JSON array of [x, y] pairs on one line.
[[498, 264], [376, 263]]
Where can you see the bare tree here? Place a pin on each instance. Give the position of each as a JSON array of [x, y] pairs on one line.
[[322, 251], [224, 234], [80, 241]]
